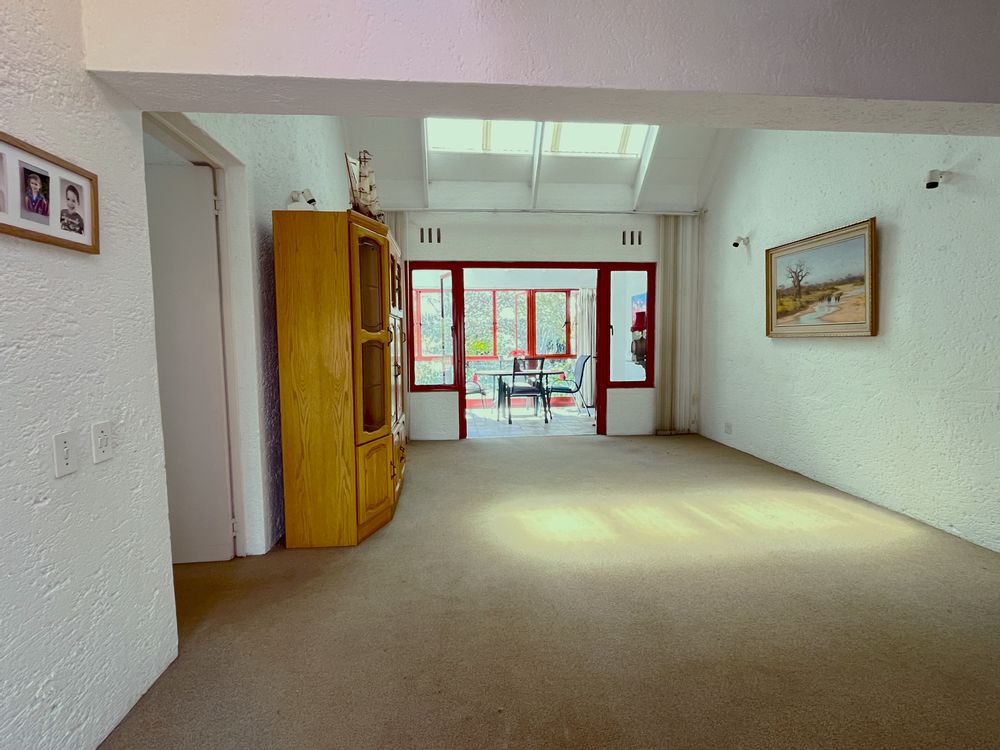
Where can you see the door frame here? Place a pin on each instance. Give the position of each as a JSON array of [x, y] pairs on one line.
[[181, 135], [602, 374]]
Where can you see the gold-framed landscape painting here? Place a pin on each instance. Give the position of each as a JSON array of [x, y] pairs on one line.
[[825, 285]]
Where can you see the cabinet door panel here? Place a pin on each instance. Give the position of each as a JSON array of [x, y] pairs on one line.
[[373, 390], [397, 368], [372, 355], [375, 481]]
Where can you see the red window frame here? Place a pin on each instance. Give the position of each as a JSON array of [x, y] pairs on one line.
[[533, 327], [531, 345]]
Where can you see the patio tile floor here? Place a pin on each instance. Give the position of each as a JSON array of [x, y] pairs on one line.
[[482, 423]]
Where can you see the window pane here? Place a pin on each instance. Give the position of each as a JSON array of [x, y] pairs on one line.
[[446, 134], [594, 138], [512, 324], [550, 323], [629, 323], [512, 136], [636, 139], [434, 360], [479, 324]]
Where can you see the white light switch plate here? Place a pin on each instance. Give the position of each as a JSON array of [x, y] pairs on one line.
[[100, 441], [64, 455]]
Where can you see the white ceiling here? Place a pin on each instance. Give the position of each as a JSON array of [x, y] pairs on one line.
[[409, 177]]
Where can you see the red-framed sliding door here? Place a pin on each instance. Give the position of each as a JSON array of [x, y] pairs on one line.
[[625, 345]]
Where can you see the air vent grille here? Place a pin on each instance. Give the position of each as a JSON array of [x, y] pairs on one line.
[[430, 235], [631, 237]]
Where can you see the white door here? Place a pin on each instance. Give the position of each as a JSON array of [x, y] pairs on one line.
[[189, 355]]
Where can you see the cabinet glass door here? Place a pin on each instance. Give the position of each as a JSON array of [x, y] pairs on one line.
[[372, 356], [373, 387], [371, 285]]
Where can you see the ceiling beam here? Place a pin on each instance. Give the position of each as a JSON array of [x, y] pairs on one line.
[[424, 163], [644, 158], [536, 161]]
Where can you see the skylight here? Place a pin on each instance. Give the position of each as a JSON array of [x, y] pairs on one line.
[[480, 136], [517, 137], [594, 138]]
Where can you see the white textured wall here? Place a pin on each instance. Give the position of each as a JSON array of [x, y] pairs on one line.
[[86, 592], [281, 154], [853, 48], [909, 419]]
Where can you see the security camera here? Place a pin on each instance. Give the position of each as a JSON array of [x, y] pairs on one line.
[[741, 241], [307, 194], [935, 177]]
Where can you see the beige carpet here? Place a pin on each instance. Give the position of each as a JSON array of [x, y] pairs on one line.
[[588, 592]]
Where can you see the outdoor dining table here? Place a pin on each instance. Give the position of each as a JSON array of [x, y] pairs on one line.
[[499, 375]]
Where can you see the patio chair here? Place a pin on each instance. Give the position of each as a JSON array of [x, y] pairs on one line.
[[526, 386], [571, 387]]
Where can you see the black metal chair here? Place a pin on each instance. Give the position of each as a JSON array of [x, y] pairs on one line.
[[527, 386], [571, 387]]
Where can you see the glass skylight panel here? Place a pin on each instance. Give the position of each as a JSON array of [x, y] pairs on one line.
[[480, 136], [447, 134], [636, 139], [511, 136], [594, 138]]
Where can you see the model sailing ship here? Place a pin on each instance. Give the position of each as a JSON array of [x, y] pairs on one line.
[[364, 193]]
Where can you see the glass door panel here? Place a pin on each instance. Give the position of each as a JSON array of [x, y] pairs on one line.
[[433, 328], [370, 254], [629, 326], [373, 389]]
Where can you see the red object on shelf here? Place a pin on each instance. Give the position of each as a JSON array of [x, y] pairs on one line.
[[639, 321]]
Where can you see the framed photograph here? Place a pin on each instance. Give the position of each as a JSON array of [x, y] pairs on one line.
[[46, 198], [825, 285]]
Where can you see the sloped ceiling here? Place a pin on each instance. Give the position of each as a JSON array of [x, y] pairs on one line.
[[409, 177]]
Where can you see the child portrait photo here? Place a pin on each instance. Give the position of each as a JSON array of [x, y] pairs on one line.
[[71, 218], [35, 194]]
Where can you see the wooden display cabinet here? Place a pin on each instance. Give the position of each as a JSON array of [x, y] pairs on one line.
[[340, 354]]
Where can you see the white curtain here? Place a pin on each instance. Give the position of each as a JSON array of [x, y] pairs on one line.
[[678, 324], [585, 338]]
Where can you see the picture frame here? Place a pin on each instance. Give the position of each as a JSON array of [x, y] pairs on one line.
[[46, 198], [824, 285]]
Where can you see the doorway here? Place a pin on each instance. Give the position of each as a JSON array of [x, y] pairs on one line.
[[471, 320], [191, 361], [518, 318]]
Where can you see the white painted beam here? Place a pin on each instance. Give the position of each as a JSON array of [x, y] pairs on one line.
[[647, 154], [424, 163], [536, 161]]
